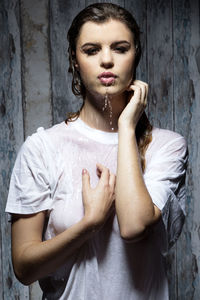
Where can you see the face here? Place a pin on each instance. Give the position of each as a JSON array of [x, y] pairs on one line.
[[105, 55]]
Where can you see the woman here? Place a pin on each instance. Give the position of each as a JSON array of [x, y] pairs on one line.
[[105, 230]]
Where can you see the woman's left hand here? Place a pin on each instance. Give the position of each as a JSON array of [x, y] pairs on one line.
[[131, 114]]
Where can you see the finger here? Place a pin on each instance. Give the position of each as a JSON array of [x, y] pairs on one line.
[[137, 92], [85, 181], [139, 82], [146, 86], [98, 172], [139, 95], [104, 173], [113, 198], [142, 82], [112, 181], [144, 89]]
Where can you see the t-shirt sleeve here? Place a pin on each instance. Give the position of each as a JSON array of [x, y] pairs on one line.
[[165, 181], [29, 190]]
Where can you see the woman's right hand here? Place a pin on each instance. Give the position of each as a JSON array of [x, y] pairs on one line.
[[98, 202]]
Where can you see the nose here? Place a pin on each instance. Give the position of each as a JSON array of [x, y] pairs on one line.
[[107, 58]]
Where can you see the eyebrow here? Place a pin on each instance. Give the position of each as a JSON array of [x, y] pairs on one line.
[[112, 45]]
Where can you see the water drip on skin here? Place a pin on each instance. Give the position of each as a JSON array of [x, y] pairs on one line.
[[105, 102], [108, 105]]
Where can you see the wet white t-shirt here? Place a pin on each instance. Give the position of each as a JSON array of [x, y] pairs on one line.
[[47, 176]]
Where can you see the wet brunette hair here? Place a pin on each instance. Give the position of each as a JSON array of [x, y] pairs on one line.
[[101, 13]]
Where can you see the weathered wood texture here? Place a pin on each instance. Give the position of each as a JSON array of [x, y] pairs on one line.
[[170, 64], [186, 20], [61, 16], [160, 62], [139, 11], [160, 77], [35, 65], [118, 2], [11, 134]]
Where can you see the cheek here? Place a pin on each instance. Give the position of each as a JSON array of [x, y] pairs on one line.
[[85, 66], [129, 65], [128, 68], [127, 71], [86, 71]]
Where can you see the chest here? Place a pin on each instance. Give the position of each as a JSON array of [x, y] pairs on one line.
[[67, 198]]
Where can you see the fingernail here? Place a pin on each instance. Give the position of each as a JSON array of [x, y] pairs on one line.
[[84, 171]]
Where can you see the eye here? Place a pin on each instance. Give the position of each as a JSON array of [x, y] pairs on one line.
[[91, 51], [121, 49]]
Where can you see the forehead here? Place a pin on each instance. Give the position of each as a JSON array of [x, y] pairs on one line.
[[112, 30]]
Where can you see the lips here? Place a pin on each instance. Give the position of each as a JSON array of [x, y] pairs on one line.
[[107, 78]]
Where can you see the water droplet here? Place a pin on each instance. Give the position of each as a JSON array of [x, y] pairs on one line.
[[107, 104]]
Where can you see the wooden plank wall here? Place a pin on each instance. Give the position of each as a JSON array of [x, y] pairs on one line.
[[11, 134], [35, 90]]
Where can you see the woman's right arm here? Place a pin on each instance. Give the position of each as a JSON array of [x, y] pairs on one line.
[[34, 258]]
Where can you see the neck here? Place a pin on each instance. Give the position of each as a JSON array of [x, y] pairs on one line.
[[102, 112]]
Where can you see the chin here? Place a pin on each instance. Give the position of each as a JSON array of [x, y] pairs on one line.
[[112, 90], [115, 90]]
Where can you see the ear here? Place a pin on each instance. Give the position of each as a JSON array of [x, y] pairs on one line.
[[74, 59]]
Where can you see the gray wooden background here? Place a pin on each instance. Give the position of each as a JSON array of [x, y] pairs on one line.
[[35, 90]]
